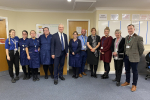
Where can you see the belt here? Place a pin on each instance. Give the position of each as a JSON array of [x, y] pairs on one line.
[[83, 50]]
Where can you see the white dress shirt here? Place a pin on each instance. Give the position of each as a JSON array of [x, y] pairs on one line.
[[63, 38]]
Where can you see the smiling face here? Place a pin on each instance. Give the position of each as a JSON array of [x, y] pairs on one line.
[[131, 29], [117, 34], [12, 33], [33, 34], [24, 35], [83, 32], [46, 31], [75, 35], [106, 32], [93, 32], [61, 28]]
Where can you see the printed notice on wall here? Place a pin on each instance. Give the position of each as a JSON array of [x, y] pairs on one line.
[[2, 40], [102, 16], [136, 17], [144, 17], [125, 16], [114, 17], [78, 29]]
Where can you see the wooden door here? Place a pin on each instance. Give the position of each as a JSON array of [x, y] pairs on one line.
[[3, 34], [74, 24]]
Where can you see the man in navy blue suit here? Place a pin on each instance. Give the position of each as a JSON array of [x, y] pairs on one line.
[[59, 49]]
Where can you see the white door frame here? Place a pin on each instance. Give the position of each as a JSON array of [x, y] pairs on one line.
[[6, 19], [68, 32]]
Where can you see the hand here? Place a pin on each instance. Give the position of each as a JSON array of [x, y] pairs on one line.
[[28, 57], [53, 56], [115, 53], [66, 54], [93, 50], [73, 53], [38, 49], [8, 58], [102, 52]]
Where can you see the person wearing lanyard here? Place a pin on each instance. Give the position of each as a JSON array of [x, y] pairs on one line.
[[93, 43], [12, 54], [83, 55], [45, 53], [105, 50], [133, 50], [117, 49], [23, 56], [32, 50], [74, 55]]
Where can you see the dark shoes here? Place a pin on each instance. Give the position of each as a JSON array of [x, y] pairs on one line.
[[46, 77], [28, 77], [75, 76], [114, 80], [105, 76], [17, 78], [55, 82], [95, 76], [25, 77], [62, 78], [52, 76], [117, 83], [13, 80]]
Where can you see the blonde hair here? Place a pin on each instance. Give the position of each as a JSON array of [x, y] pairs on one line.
[[33, 31], [118, 30], [9, 35], [107, 28]]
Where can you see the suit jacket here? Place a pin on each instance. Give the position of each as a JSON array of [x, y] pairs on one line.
[[136, 48], [78, 48], [120, 47], [56, 45]]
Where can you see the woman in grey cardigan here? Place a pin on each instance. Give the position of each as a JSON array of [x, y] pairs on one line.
[[117, 49]]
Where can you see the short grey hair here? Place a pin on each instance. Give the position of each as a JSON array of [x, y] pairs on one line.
[[118, 30], [131, 25]]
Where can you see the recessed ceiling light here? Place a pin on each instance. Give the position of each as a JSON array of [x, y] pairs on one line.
[[69, 0]]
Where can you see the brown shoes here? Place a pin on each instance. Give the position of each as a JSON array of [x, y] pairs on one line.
[[84, 74], [125, 84], [80, 75], [133, 88]]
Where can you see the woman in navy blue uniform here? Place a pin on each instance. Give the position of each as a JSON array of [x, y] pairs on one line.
[[45, 53], [23, 56], [32, 50], [74, 56], [12, 54]]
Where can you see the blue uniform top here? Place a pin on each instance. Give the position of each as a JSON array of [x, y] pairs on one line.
[[83, 41], [23, 56], [13, 41], [45, 49], [32, 44]]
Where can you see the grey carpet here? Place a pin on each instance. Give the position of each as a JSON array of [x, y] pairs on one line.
[[85, 88]]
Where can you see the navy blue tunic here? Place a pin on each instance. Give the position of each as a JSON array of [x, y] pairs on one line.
[[12, 43], [34, 61], [74, 60], [23, 56], [45, 50]]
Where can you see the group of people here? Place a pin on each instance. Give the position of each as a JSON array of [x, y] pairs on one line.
[[51, 49]]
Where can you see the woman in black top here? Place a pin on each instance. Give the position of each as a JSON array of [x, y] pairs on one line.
[[117, 49], [93, 44]]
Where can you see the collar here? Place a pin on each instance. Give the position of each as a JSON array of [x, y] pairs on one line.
[[132, 34], [60, 33]]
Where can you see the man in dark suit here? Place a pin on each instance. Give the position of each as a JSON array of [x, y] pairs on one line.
[[59, 49], [133, 51]]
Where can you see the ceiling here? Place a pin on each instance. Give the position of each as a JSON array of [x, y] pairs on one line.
[[65, 6]]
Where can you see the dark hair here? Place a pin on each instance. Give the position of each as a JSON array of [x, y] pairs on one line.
[[93, 29], [44, 28], [25, 31], [75, 32], [11, 30], [130, 25]]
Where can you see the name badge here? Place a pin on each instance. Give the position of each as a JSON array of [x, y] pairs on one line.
[[15, 49], [23, 49], [128, 46], [22, 45], [101, 47], [84, 47], [35, 50], [116, 49]]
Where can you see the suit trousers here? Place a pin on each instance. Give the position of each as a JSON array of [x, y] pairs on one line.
[[118, 69]]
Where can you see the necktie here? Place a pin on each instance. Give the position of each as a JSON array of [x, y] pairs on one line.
[[129, 38], [62, 43]]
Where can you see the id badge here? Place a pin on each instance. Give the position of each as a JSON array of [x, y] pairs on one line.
[[35, 50], [127, 46], [84, 47], [15, 49], [101, 47], [23, 49], [116, 50]]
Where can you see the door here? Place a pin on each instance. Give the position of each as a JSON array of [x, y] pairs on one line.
[[3, 34], [74, 24]]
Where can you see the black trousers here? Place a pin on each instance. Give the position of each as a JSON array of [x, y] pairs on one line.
[[25, 71], [95, 68], [46, 67], [35, 72], [118, 69], [14, 59], [106, 67], [75, 70]]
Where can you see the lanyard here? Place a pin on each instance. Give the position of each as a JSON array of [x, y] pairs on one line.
[[24, 41], [14, 42], [103, 40], [83, 39], [35, 43], [117, 43]]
